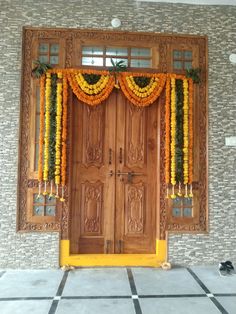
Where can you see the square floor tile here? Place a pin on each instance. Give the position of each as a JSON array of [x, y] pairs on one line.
[[25, 307], [30, 283], [151, 281], [97, 282], [181, 305], [213, 281], [101, 306], [229, 303]]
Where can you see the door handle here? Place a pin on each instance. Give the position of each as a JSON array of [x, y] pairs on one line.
[[129, 174]]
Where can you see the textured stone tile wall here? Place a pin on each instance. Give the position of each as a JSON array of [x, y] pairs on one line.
[[219, 23]]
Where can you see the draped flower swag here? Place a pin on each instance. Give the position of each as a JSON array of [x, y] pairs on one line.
[[94, 87]]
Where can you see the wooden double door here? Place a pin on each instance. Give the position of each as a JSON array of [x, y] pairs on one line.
[[114, 177]]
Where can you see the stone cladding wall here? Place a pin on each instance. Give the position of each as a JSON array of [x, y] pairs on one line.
[[41, 250]]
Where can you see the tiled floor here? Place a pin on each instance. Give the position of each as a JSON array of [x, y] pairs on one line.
[[192, 290]]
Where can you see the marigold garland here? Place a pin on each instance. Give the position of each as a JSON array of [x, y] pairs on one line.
[[173, 136], [87, 94], [41, 129], [93, 92], [179, 130], [185, 133], [142, 96], [190, 148], [47, 128], [52, 136], [64, 136], [58, 131], [167, 138], [92, 89]]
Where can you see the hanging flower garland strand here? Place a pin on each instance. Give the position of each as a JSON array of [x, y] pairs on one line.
[[47, 131], [167, 137], [41, 131], [64, 137], [58, 134], [185, 137], [173, 136], [190, 148]]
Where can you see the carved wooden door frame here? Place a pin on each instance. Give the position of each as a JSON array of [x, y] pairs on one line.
[[68, 38]]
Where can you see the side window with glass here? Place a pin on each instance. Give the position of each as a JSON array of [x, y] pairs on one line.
[[49, 53], [182, 60]]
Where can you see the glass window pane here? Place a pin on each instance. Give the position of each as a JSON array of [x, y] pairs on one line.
[[140, 52], [177, 201], [188, 201], [188, 54], [36, 159], [50, 211], [109, 64], [92, 50], [54, 49], [135, 63], [116, 51], [92, 61], [178, 65], [187, 65], [177, 54], [176, 212], [39, 199], [43, 59], [43, 48], [50, 200], [54, 60], [38, 210], [187, 212]]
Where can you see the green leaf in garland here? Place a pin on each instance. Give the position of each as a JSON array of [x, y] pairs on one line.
[[179, 130], [40, 68], [118, 66], [142, 81], [91, 78], [52, 137], [194, 74]]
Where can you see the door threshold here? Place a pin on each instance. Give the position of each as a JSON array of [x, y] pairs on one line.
[[92, 260]]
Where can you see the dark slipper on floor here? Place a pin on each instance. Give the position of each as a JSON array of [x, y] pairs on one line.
[[230, 267], [223, 270]]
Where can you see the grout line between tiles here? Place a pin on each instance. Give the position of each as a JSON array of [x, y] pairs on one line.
[[207, 291], [60, 289], [136, 302]]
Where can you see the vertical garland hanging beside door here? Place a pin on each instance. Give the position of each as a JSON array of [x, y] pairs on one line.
[[179, 136]]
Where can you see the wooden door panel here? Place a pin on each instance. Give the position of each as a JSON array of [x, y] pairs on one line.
[[113, 212], [136, 185], [134, 209], [135, 137], [93, 188]]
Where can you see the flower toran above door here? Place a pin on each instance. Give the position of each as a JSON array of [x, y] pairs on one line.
[[92, 88]]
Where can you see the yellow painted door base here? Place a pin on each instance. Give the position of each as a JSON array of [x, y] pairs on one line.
[[90, 260]]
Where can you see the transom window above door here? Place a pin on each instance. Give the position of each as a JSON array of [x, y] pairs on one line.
[[133, 57]]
